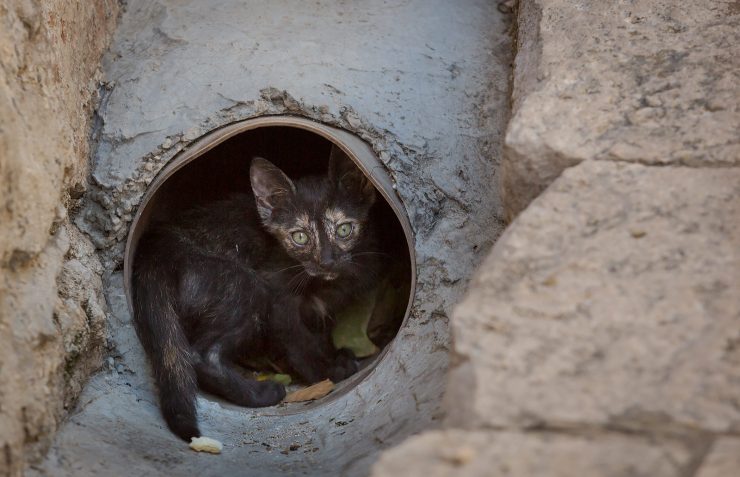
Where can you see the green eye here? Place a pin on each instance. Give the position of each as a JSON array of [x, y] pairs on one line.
[[344, 230], [299, 237]]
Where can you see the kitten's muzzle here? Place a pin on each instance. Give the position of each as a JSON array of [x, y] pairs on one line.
[[325, 268], [329, 275], [324, 275], [318, 272]]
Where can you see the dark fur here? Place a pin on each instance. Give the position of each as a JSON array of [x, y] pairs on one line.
[[215, 286]]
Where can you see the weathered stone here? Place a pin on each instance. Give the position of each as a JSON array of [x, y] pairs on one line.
[[649, 81], [612, 301], [49, 341], [80, 313], [492, 454], [723, 459]]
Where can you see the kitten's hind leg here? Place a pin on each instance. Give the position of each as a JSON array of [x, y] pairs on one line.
[[219, 375]]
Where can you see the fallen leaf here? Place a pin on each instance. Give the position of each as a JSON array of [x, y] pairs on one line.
[[350, 331], [283, 379], [315, 391]]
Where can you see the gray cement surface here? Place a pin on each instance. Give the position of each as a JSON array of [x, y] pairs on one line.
[[425, 83]]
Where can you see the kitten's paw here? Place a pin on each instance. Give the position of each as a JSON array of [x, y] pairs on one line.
[[345, 365], [267, 393]]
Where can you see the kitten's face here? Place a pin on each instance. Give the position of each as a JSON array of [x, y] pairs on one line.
[[320, 222]]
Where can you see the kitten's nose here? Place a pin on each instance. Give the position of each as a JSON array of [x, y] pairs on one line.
[[327, 259], [327, 263]]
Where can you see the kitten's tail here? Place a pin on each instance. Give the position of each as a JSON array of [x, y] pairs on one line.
[[167, 347]]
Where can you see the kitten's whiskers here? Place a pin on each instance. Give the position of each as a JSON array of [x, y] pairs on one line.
[[285, 269]]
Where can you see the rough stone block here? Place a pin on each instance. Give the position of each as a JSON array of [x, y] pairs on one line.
[[648, 81], [612, 301], [479, 453], [723, 459]]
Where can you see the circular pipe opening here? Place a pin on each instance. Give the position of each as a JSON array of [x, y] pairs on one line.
[[217, 165]]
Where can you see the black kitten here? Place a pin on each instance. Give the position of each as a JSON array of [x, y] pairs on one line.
[[254, 276]]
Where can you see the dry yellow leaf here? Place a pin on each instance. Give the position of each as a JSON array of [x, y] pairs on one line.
[[315, 391]]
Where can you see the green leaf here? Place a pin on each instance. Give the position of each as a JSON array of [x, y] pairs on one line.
[[350, 331], [283, 379]]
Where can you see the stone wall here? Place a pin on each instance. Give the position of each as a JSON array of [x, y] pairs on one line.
[[601, 336], [51, 306], [651, 82]]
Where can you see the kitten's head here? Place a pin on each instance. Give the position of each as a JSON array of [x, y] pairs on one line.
[[320, 221]]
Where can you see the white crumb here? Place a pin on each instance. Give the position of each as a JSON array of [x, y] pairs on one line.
[[206, 444]]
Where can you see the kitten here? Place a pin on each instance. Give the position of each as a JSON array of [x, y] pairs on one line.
[[254, 275]]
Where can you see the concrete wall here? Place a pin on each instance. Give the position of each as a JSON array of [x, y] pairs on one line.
[[51, 307]]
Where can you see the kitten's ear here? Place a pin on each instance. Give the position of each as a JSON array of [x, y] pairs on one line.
[[270, 185], [348, 177]]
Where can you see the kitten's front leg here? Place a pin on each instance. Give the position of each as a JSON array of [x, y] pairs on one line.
[[345, 365], [315, 315], [309, 353]]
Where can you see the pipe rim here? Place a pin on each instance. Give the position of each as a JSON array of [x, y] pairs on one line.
[[356, 149]]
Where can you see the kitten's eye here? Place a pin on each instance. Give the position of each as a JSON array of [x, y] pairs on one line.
[[343, 230], [299, 237]]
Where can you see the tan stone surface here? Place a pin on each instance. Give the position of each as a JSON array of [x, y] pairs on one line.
[[723, 459], [649, 81], [612, 301], [492, 454], [50, 302]]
